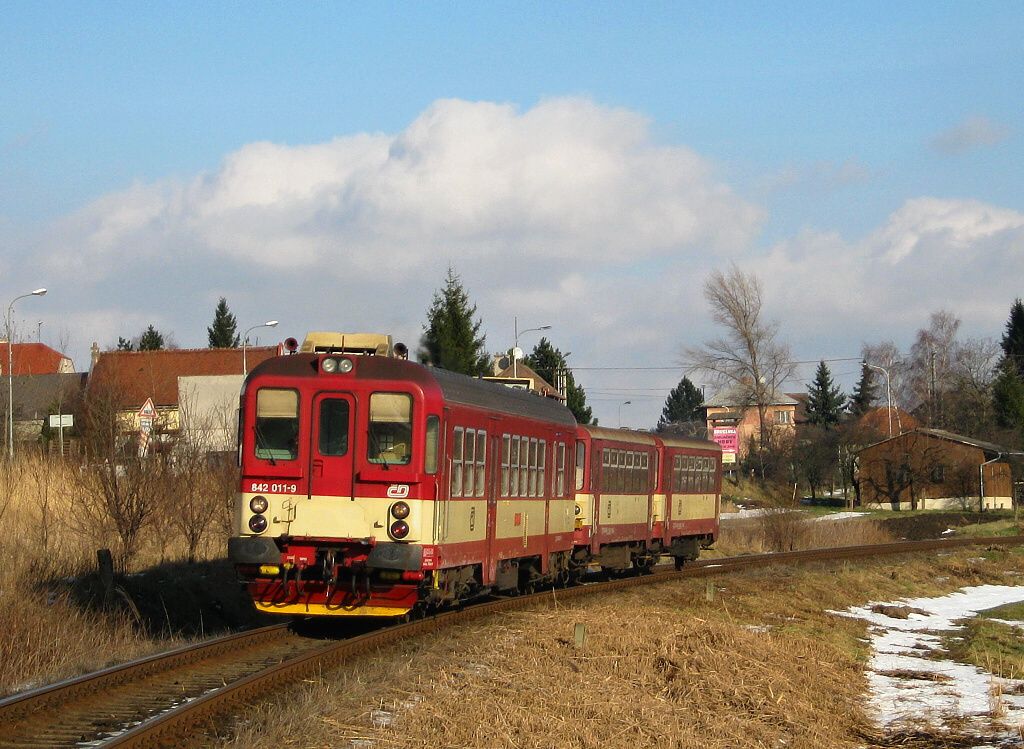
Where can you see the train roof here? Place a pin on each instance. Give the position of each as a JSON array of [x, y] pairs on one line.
[[646, 438], [456, 388]]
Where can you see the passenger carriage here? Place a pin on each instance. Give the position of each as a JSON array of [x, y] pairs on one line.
[[640, 496]]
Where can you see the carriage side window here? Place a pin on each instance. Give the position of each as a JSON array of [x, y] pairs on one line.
[[542, 449], [514, 469], [676, 474], [581, 460], [277, 424], [390, 436], [631, 472], [457, 439], [506, 442], [524, 466], [560, 469], [469, 460], [645, 473], [532, 468], [431, 444], [481, 462], [333, 428]]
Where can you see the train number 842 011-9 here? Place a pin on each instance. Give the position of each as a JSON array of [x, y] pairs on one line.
[[267, 488]]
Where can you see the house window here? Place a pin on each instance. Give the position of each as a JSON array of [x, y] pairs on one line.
[[938, 474], [783, 417]]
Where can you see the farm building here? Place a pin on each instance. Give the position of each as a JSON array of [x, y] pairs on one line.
[[926, 469]]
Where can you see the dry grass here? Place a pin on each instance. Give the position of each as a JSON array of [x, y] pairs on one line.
[[46, 548], [761, 664], [788, 530]]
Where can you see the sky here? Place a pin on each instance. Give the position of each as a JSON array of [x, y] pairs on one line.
[[580, 165]]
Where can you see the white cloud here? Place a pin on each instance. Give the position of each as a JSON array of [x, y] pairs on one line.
[[931, 253], [567, 180], [973, 132], [567, 214]]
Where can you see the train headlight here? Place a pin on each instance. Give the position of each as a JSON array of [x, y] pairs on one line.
[[329, 365], [399, 529], [257, 524], [345, 365], [258, 504], [400, 510], [577, 510]]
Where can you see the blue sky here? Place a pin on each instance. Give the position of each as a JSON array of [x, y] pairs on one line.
[[824, 130]]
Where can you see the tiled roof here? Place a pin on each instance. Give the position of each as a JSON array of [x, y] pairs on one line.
[[37, 396], [878, 420], [31, 358], [138, 375], [739, 396]]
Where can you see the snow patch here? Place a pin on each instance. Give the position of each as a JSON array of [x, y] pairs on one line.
[[910, 680]]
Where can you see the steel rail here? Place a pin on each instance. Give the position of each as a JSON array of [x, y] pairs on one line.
[[171, 726]]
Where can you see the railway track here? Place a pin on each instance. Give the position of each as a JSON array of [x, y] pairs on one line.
[[164, 699]]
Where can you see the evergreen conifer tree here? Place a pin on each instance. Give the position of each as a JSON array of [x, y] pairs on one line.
[[546, 360], [824, 399], [123, 344], [1013, 339], [451, 338], [683, 404], [151, 340], [223, 333], [863, 393], [1008, 398]]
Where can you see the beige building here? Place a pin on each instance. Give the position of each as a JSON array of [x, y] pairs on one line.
[[733, 420]]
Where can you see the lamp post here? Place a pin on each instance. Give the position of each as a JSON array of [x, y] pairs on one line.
[[518, 332], [245, 341], [888, 394], [624, 403], [10, 372]]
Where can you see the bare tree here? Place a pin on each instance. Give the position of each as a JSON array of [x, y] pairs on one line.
[[887, 356], [748, 357], [123, 489], [931, 363]]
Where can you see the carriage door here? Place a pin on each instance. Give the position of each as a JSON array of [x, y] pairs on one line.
[[497, 467], [333, 445]]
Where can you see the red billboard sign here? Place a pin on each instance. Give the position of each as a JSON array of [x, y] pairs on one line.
[[728, 438]]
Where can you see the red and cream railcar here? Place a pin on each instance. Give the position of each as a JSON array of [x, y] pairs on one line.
[[689, 498], [372, 486], [631, 507]]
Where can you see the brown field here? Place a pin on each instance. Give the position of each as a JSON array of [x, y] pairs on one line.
[[55, 620], [748, 660]]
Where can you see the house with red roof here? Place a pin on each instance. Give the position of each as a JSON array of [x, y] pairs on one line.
[[165, 386], [33, 359]]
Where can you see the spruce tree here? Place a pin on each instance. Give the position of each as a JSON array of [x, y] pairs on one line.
[[223, 332], [151, 340], [451, 338], [546, 360], [123, 344], [1013, 339], [683, 404], [863, 393], [824, 399], [1008, 398]]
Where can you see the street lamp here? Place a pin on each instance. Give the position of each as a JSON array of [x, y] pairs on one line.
[[518, 332], [245, 341], [888, 395], [10, 372], [624, 403]]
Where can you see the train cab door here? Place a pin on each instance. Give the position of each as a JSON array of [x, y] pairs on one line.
[[333, 445]]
